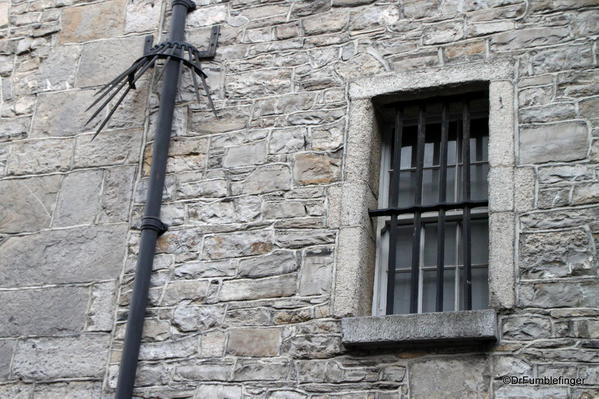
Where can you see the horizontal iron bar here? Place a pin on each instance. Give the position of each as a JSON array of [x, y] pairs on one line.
[[426, 208]]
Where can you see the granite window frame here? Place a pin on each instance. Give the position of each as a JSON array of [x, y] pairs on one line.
[[355, 262]]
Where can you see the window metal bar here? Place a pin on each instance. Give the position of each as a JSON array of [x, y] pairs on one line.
[[417, 216], [466, 197], [427, 208], [472, 163], [442, 199], [393, 200]]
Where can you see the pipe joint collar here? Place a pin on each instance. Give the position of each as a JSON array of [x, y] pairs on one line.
[[187, 3], [153, 223]]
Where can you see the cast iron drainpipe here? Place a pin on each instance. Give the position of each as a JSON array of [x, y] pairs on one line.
[[151, 226]]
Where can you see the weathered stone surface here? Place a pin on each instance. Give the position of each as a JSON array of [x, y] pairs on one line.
[[316, 169], [42, 359], [101, 307], [278, 262], [256, 342], [214, 188], [219, 391], [57, 72], [12, 129], [238, 244], [117, 190], [206, 269], [95, 55], [302, 238], [531, 37], [92, 21], [585, 194], [49, 311], [557, 254], [463, 378], [287, 140], [526, 328], [62, 113], [561, 294], [70, 390], [316, 272], [215, 370], [249, 317], [565, 141], [142, 16], [63, 256], [16, 391], [238, 210], [325, 23], [259, 83], [212, 344], [6, 351], [109, 148], [264, 179], [269, 370], [522, 392], [79, 201], [169, 349], [27, 204], [312, 346], [178, 290], [450, 326], [251, 154], [190, 317], [50, 156], [238, 290], [561, 58]]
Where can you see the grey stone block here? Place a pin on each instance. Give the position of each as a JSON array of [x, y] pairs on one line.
[[49, 311], [62, 113], [49, 156], [63, 256], [27, 204], [43, 359], [79, 198], [474, 325], [6, 351], [564, 141], [68, 390], [442, 378]]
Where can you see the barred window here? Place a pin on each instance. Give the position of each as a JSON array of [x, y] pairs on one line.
[[432, 221]]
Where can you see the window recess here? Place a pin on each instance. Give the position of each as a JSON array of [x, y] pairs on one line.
[[432, 225]]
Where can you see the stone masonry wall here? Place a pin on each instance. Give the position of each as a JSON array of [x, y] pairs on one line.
[[240, 304]]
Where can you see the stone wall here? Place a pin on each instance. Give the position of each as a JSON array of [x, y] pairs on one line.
[[240, 304]]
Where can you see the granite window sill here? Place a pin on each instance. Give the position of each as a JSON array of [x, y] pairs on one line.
[[423, 328]]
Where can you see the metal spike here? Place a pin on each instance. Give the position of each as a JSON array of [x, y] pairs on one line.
[[206, 88], [168, 58], [140, 74], [111, 112], [135, 65], [193, 76], [123, 81]]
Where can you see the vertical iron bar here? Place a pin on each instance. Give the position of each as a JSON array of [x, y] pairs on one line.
[[393, 201], [466, 243], [145, 260], [417, 216], [442, 198]]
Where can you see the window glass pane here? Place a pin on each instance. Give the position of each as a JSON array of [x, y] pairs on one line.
[[429, 291], [480, 288], [480, 241], [430, 244], [404, 247], [478, 182], [401, 304], [430, 186]]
